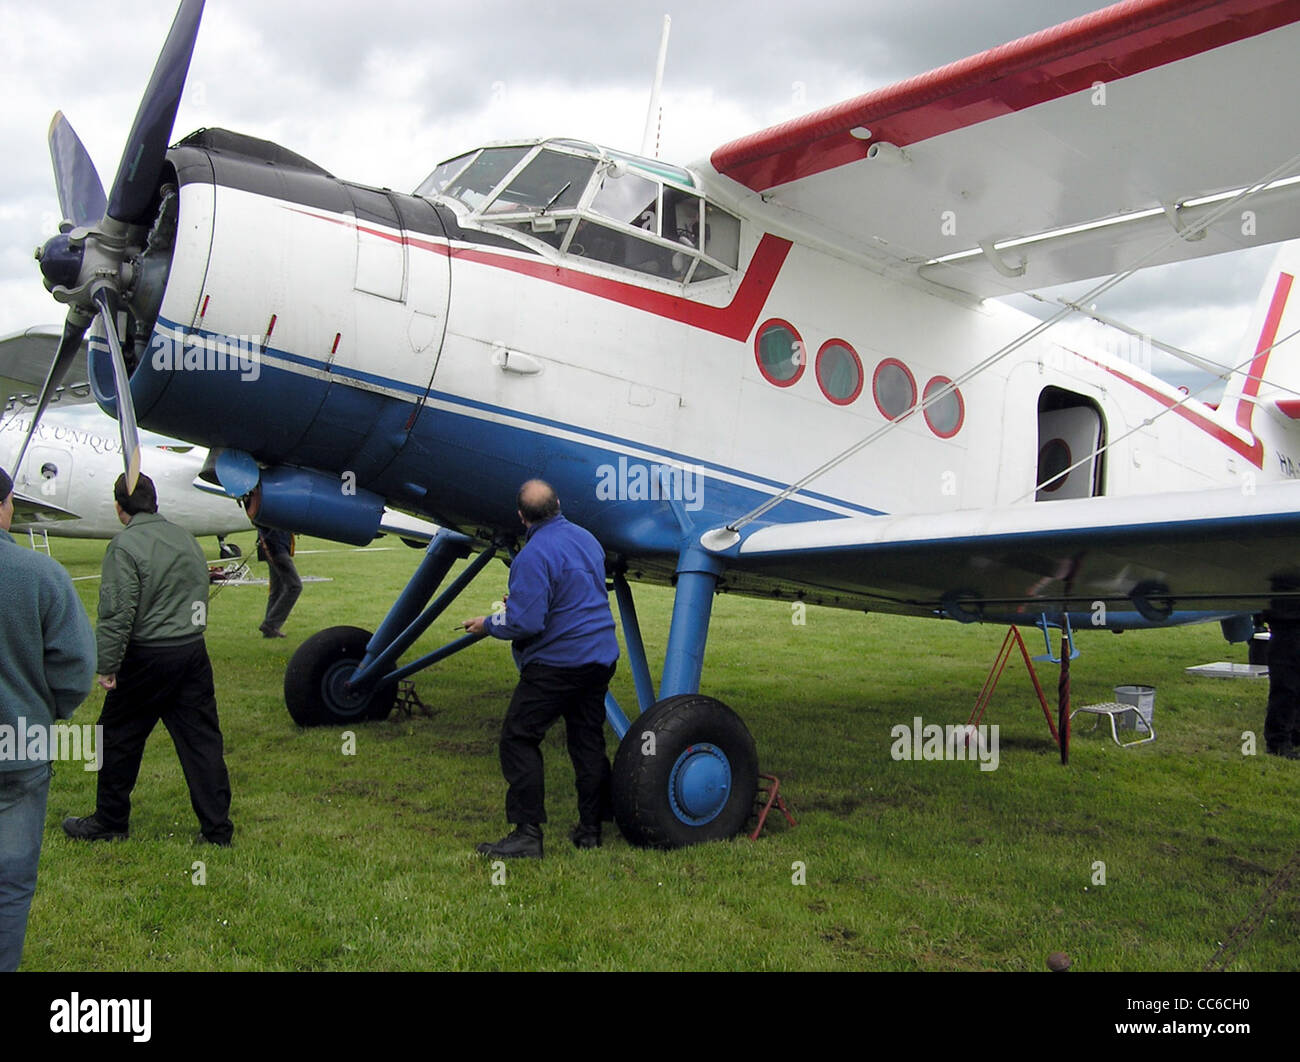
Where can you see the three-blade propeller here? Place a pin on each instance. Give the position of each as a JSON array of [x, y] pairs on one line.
[[83, 265]]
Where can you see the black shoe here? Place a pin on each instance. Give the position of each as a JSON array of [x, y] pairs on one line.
[[204, 839], [1285, 750], [524, 843], [268, 632], [585, 836], [91, 829]]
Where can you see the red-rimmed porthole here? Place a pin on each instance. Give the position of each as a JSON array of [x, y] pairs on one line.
[[839, 372], [894, 388], [944, 416], [780, 352]]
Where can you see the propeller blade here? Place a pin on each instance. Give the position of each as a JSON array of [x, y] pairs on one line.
[[73, 331], [106, 299], [81, 195], [146, 147]]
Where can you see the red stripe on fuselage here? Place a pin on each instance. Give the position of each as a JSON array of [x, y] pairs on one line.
[[1253, 451], [734, 321], [1267, 337]]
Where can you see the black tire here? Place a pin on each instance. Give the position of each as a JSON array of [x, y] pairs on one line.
[[648, 799], [314, 681], [228, 551]]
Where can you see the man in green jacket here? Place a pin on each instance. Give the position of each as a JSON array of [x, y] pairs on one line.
[[153, 605], [47, 664]]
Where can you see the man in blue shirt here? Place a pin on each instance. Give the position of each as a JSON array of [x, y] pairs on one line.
[[558, 619]]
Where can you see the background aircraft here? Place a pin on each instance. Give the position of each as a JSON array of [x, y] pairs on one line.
[[65, 483], [774, 372], [67, 474]]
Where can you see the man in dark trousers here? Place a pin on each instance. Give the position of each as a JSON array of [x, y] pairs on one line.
[[48, 654], [276, 548], [153, 604], [1282, 719], [557, 616]]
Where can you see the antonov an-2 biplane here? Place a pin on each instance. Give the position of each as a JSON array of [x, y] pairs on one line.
[[775, 372]]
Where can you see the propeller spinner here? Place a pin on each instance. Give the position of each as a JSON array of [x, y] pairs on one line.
[[88, 265]]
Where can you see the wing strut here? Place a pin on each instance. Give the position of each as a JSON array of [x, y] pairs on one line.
[[727, 536]]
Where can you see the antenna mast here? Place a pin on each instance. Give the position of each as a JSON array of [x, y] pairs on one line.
[[648, 138]]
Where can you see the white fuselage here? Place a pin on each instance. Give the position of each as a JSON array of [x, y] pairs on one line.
[[440, 370]]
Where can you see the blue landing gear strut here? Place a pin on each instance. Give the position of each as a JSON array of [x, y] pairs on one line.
[[346, 675], [686, 769]]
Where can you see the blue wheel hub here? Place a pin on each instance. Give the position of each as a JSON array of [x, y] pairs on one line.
[[699, 784], [341, 699]]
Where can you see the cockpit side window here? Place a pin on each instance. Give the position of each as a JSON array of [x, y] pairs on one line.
[[721, 236], [552, 181], [681, 221], [475, 183], [614, 247], [630, 199]]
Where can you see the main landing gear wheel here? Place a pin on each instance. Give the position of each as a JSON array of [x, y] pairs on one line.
[[228, 550], [686, 771], [315, 690]]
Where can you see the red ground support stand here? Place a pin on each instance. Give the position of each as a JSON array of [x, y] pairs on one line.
[[773, 791], [995, 673]]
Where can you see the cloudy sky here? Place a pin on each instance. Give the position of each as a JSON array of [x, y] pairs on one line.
[[379, 92]]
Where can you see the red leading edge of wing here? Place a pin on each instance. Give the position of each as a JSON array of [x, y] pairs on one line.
[[1116, 42]]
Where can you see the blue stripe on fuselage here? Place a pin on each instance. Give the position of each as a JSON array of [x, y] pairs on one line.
[[459, 463]]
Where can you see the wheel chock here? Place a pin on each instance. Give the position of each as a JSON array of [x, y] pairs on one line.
[[770, 794], [408, 700]]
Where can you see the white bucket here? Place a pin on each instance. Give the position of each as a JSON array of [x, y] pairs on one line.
[[1143, 699]]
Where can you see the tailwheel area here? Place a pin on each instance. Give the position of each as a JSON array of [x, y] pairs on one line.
[[316, 689], [686, 772]]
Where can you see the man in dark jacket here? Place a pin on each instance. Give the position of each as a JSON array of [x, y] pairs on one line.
[[48, 650], [153, 605], [276, 548], [1282, 718], [557, 615]]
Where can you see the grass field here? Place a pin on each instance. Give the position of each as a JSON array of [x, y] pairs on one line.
[[1127, 859]]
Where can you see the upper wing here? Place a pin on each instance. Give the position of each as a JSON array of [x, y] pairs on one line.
[[1125, 116], [1203, 551]]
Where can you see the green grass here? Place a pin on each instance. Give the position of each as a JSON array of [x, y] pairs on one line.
[[366, 862]]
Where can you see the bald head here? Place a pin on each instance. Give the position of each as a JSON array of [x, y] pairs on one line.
[[536, 502]]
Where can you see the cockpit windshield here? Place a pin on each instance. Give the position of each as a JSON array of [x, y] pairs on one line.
[[474, 183], [551, 181], [589, 202]]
